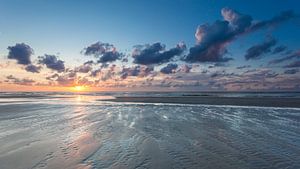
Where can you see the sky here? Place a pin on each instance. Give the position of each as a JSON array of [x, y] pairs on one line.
[[157, 45]]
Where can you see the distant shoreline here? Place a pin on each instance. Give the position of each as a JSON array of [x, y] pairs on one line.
[[209, 100]]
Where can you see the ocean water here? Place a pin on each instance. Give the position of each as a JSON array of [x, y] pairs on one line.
[[61, 130]]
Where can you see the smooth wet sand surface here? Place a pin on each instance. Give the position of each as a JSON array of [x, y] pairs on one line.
[[84, 133]]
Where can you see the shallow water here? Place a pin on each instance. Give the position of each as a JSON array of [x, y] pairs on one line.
[[80, 132]]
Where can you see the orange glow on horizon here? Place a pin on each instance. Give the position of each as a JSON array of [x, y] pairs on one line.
[[79, 88]]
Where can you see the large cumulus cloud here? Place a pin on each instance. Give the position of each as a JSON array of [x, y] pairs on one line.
[[20, 52], [156, 53], [212, 39], [52, 62]]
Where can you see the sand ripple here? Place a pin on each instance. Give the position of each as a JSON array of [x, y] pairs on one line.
[[112, 135]]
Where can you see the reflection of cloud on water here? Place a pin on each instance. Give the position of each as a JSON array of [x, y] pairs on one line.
[[74, 134]]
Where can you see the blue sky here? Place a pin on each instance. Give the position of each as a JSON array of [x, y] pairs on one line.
[[65, 28]]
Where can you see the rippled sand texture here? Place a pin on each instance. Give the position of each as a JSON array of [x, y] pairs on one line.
[[75, 134]]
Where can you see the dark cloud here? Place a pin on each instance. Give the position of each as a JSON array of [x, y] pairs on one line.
[[156, 53], [32, 68], [170, 68], [279, 49], [257, 51], [105, 52], [52, 62], [214, 75], [125, 60], [243, 67], [288, 57], [221, 74], [293, 64], [90, 62], [97, 49], [19, 81], [141, 71], [291, 71], [204, 71], [212, 39], [110, 56], [20, 52]]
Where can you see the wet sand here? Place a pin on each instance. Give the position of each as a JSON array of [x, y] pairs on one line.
[[208, 100], [80, 132]]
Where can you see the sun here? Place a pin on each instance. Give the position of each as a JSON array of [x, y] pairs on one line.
[[79, 88]]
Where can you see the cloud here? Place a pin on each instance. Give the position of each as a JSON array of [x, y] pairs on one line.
[[212, 39], [105, 52], [257, 51], [156, 53], [32, 68], [140, 71], [52, 62], [291, 71], [110, 57], [279, 49], [239, 22], [243, 67], [185, 69], [18, 81], [288, 57], [84, 68], [210, 43], [293, 64], [90, 62], [282, 17], [54, 76], [20, 52], [65, 80], [85, 81], [170, 68], [94, 73], [97, 48]]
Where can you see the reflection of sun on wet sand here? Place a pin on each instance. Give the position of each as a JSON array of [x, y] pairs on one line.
[[76, 131], [211, 100]]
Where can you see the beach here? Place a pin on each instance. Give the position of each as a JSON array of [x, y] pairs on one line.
[[94, 131]]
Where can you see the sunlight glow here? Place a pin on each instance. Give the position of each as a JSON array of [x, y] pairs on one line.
[[79, 88]]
